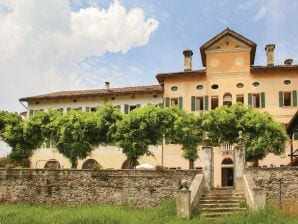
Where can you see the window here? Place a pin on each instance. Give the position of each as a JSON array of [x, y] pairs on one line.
[[93, 109], [227, 99], [256, 100], [174, 88], [60, 110], [200, 87], [240, 98], [255, 84], [295, 135], [214, 102], [132, 107], [287, 99], [240, 85], [199, 103], [287, 82], [174, 101], [215, 86]]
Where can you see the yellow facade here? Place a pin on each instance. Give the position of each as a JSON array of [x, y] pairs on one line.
[[228, 59]]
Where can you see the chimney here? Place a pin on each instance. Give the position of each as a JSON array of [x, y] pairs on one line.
[[288, 61], [187, 59], [270, 54], [107, 84]]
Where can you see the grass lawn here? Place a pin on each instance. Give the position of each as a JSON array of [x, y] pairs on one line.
[[107, 214]]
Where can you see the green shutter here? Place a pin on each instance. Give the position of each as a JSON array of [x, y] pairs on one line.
[[138, 105], [281, 99], [160, 105], [167, 101], [294, 98], [180, 102], [263, 100], [249, 97], [87, 109], [206, 102], [118, 107], [126, 108], [193, 103]]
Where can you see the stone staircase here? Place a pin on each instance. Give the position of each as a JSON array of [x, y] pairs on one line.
[[221, 201]]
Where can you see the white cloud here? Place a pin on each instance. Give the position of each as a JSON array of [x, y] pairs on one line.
[[42, 43], [260, 14]]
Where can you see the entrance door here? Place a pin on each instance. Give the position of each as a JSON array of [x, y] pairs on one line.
[[227, 177]]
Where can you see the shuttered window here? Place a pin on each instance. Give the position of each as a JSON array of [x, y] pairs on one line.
[[180, 102], [126, 107], [249, 98], [206, 98], [281, 98], [193, 103], [263, 100], [167, 101], [294, 98]]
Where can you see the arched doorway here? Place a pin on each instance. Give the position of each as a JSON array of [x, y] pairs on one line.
[[52, 164], [227, 99], [90, 164], [227, 173], [129, 164]]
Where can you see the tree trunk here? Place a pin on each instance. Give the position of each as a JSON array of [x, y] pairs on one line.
[[256, 163], [74, 164], [191, 164]]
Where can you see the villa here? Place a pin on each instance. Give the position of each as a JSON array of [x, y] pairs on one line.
[[229, 75]]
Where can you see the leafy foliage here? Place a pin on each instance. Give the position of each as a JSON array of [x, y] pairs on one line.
[[262, 135], [140, 128], [188, 132]]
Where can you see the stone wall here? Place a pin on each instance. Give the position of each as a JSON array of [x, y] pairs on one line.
[[72, 187], [281, 184]]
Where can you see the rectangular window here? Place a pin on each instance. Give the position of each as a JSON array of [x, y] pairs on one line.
[[199, 103], [93, 109], [87, 109], [60, 110], [132, 107], [287, 99], [256, 100], [174, 101], [240, 98], [214, 102]]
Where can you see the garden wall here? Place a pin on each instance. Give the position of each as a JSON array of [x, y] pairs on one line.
[[281, 184], [72, 187]]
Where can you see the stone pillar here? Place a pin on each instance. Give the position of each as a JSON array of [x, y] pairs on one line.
[[239, 161], [183, 204], [207, 159], [187, 60]]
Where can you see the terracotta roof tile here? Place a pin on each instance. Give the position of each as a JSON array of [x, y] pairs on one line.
[[97, 92], [161, 76], [260, 68]]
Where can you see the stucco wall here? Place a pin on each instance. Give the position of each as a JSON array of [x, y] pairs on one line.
[[72, 187]]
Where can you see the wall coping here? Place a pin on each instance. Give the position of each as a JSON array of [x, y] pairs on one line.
[[272, 168]]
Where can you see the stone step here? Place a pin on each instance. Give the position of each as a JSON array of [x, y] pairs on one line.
[[215, 215], [221, 197], [220, 205], [218, 201], [217, 210], [223, 193]]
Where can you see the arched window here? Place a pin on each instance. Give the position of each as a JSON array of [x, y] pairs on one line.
[[52, 164], [227, 161], [227, 99], [90, 164]]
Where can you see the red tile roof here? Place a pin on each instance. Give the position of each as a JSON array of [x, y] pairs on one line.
[[153, 89], [161, 76]]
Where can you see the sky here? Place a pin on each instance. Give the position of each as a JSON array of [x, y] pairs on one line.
[[55, 45]]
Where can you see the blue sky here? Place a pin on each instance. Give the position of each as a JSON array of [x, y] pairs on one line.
[[46, 53], [189, 24]]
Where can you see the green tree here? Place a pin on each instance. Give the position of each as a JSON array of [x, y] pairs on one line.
[[13, 132], [77, 133], [261, 134], [139, 129], [188, 132]]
